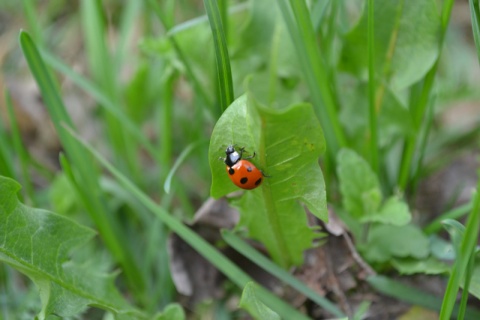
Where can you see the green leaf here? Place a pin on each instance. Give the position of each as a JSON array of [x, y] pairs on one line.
[[256, 308], [361, 194], [38, 243], [173, 311], [393, 211], [288, 144], [387, 241], [429, 265], [406, 45]]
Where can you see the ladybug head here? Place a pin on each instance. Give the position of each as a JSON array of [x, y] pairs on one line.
[[230, 150]]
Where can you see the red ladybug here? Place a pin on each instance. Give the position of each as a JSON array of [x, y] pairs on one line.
[[242, 172]]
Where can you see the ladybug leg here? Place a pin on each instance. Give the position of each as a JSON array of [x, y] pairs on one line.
[[241, 151], [263, 174], [252, 156], [222, 159]]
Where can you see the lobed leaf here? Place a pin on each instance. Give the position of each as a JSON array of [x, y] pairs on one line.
[[387, 241], [393, 211], [38, 243], [173, 311], [429, 265], [361, 194], [288, 144]]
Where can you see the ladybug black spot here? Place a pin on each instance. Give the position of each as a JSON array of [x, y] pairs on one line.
[[258, 181], [249, 169], [231, 171], [244, 180]]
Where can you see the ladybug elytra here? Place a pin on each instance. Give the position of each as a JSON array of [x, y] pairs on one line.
[[242, 172]]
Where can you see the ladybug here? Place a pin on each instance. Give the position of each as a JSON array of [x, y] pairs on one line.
[[242, 172]]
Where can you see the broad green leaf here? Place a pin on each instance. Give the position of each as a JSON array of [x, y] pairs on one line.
[[361, 194], [393, 211], [255, 307], [288, 144], [38, 243], [407, 38], [387, 241], [173, 311], [429, 265]]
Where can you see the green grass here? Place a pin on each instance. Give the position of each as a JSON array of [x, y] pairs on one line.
[[167, 85]]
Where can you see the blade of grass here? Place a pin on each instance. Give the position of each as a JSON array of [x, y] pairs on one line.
[[423, 143], [31, 14], [102, 67], [318, 12], [273, 64], [465, 294], [168, 181], [199, 89], [99, 60], [475, 17], [411, 295], [419, 106], [297, 18], [165, 122], [195, 22], [223, 10], [467, 251], [456, 213], [6, 163], [20, 150], [104, 101], [227, 267], [88, 174], [224, 72], [127, 28], [371, 90], [253, 255]]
